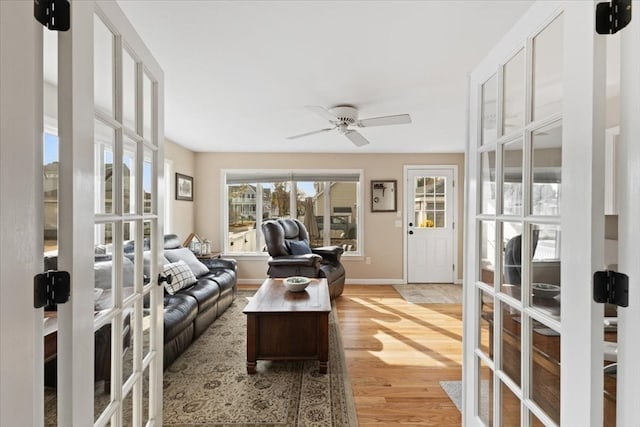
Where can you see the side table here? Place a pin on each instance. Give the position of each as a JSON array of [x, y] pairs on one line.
[[210, 255]]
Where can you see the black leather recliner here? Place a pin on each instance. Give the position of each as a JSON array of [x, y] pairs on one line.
[[281, 235], [513, 255]]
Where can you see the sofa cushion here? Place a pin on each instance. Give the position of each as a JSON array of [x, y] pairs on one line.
[[205, 291], [179, 312], [184, 254], [181, 275], [146, 261]]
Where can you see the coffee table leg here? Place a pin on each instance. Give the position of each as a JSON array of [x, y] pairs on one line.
[[323, 337], [251, 343]]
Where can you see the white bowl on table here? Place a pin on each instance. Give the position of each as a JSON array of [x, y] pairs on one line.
[[545, 290], [296, 283]]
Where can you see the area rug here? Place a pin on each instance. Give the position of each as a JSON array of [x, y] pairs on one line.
[[208, 384], [454, 391], [431, 293]]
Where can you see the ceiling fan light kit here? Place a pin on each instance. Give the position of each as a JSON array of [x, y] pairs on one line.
[[344, 116]]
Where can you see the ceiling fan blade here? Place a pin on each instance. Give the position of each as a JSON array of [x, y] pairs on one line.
[[356, 138], [399, 119], [310, 133], [322, 112]]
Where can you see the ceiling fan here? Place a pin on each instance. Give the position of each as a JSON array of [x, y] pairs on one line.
[[343, 117]]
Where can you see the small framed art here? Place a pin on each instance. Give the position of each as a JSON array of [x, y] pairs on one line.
[[184, 187], [383, 196]]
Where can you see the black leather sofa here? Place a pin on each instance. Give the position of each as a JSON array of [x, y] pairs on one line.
[[187, 313], [287, 241], [190, 311]]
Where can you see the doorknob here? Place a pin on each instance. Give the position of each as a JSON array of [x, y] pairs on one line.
[[410, 231], [410, 224], [168, 278]]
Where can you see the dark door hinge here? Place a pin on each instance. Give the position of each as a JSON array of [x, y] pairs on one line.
[[53, 14], [612, 17], [611, 287], [51, 288]]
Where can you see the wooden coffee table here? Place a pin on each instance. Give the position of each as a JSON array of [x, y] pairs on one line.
[[288, 325]]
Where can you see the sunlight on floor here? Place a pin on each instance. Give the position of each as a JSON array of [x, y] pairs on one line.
[[423, 336]]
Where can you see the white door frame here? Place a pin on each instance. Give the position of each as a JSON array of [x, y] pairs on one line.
[[582, 218], [21, 215], [628, 378], [407, 206]]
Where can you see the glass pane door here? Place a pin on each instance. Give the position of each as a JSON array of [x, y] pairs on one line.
[[516, 217], [115, 135], [126, 228]]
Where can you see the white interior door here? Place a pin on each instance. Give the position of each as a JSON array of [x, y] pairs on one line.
[[430, 225], [109, 335], [628, 375], [534, 187]]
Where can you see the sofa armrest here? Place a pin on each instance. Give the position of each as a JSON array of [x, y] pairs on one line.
[[307, 260], [329, 253], [217, 263], [307, 265]]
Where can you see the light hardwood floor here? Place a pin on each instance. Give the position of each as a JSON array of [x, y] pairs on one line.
[[397, 353]]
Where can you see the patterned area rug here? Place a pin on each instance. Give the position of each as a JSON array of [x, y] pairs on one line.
[[454, 391], [209, 385], [431, 293]]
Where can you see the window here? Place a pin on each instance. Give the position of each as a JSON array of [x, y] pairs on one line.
[[327, 202], [429, 203]]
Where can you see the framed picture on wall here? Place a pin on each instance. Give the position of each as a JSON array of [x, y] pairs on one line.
[[383, 196], [184, 187]]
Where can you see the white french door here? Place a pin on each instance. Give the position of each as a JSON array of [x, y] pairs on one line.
[[108, 336], [429, 224], [534, 224], [111, 119]]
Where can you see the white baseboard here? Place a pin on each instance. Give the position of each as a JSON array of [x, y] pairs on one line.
[[374, 282], [348, 281], [250, 281], [458, 281]]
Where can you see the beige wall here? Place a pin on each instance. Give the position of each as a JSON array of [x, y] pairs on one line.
[[382, 240], [182, 161]]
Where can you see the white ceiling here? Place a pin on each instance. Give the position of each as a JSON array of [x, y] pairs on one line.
[[239, 73]]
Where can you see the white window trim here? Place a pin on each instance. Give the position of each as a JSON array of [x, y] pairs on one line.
[[224, 213]]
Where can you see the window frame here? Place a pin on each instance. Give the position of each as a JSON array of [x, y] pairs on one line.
[[302, 175]]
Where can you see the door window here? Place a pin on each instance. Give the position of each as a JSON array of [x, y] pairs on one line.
[[489, 110], [514, 91], [547, 90], [430, 201]]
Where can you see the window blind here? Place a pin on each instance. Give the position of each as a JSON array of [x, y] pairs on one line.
[[256, 176]]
